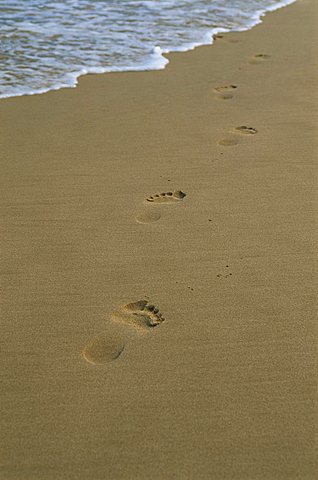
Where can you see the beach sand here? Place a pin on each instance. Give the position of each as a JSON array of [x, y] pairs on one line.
[[219, 381]]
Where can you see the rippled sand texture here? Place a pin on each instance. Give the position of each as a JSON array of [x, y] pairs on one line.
[[158, 288]]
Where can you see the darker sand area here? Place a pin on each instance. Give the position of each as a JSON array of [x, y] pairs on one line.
[[196, 311]]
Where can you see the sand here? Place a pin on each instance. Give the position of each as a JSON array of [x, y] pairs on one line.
[[171, 336]]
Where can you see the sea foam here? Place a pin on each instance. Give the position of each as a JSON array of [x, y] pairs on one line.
[[49, 46]]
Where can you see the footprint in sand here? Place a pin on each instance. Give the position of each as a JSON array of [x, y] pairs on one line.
[[231, 140], [224, 92], [168, 197], [103, 349], [245, 130], [218, 36], [153, 213], [138, 318], [228, 142], [259, 58], [148, 217]]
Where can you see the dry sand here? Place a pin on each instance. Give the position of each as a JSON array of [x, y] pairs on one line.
[[224, 387]]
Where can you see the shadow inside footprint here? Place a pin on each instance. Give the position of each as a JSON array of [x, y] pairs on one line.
[[263, 56], [225, 88], [245, 130], [166, 197], [136, 318]]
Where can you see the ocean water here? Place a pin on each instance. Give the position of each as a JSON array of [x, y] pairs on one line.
[[47, 45]]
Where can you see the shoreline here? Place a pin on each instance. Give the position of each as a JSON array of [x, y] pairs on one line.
[[160, 53], [224, 387]]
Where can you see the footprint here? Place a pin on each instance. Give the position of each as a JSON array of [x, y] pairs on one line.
[[231, 141], [224, 92], [218, 36], [153, 214], [169, 197], [138, 316], [245, 130], [225, 88], [259, 58], [262, 56], [228, 142], [148, 217], [103, 349], [224, 96]]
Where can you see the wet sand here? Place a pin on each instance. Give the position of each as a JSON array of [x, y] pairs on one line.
[[158, 281]]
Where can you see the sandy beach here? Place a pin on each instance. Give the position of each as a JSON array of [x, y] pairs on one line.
[[158, 275]]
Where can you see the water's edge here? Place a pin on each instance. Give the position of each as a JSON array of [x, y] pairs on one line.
[[156, 59]]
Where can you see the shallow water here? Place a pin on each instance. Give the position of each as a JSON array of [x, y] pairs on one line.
[[47, 45]]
